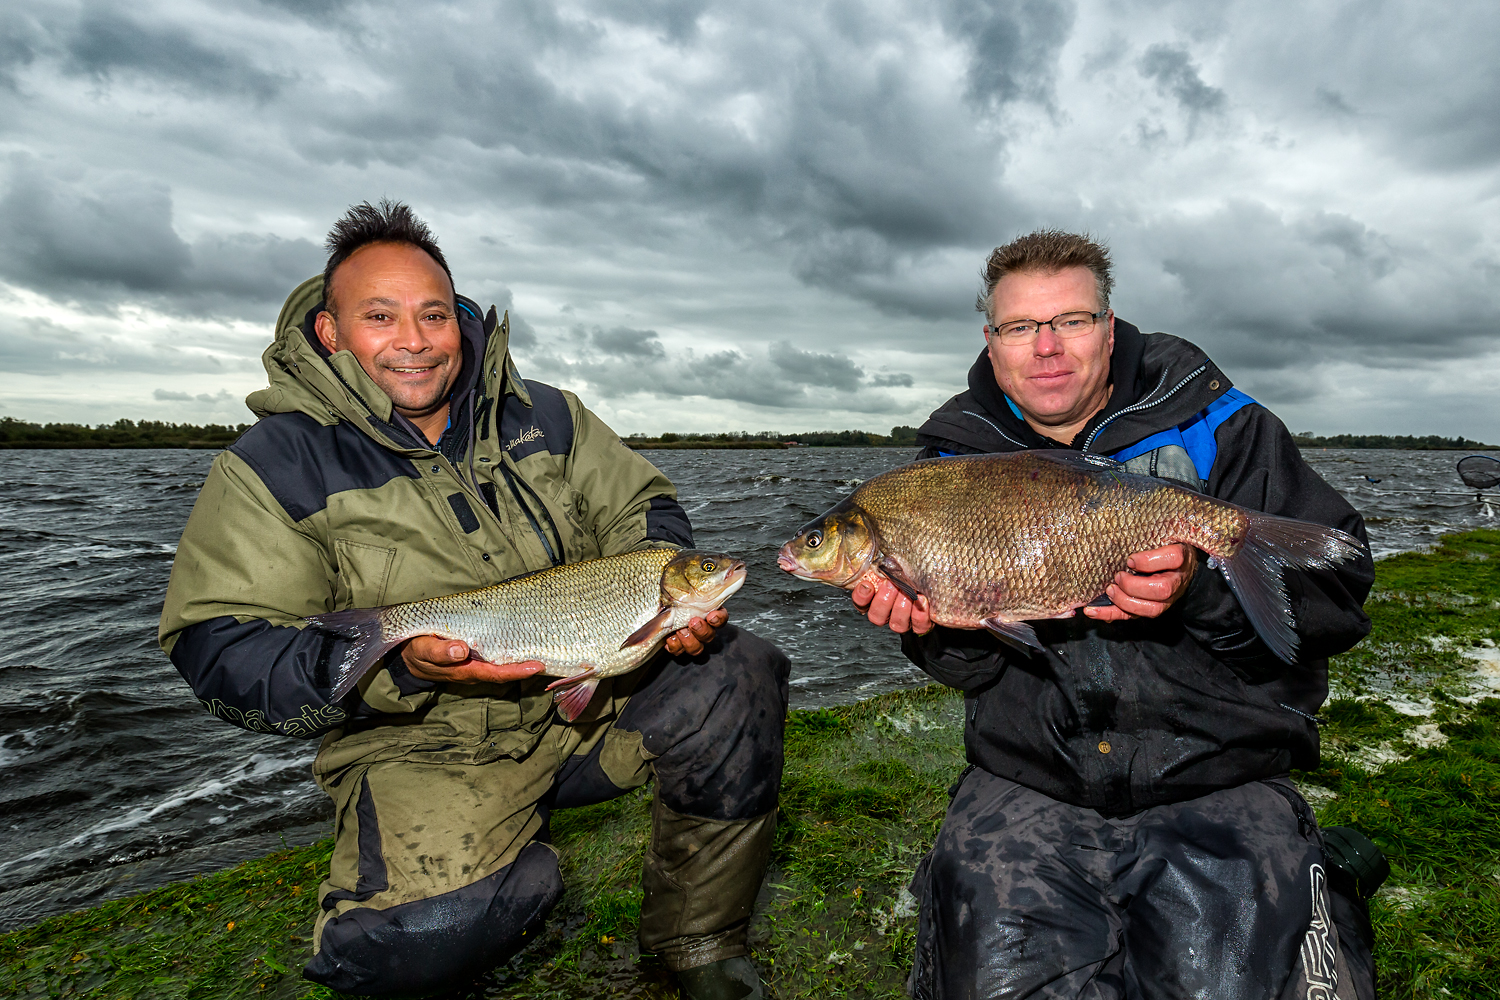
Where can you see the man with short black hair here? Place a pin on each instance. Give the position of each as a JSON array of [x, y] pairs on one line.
[[1126, 826], [400, 456]]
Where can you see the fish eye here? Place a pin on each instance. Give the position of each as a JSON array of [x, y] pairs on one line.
[[814, 538], [708, 565]]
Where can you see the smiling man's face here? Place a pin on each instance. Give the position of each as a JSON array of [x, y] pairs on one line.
[[392, 307], [1057, 384]]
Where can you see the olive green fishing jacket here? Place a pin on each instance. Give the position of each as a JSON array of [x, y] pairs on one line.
[[332, 501]]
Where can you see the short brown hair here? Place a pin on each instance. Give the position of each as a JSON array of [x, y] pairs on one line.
[[1046, 251]]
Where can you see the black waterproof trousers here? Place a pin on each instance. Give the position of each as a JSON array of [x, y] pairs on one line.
[[442, 865], [1223, 897]]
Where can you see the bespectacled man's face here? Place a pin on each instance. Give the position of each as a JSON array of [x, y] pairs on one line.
[[1058, 383], [393, 309]]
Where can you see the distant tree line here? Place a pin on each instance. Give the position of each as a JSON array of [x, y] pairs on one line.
[[120, 434], [899, 437], [159, 434], [1406, 442]]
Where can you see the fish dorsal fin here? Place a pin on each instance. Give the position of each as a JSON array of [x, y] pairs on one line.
[[1076, 459]]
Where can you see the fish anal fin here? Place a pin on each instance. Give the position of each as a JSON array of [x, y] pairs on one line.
[[1018, 634], [894, 573], [573, 700], [650, 630]]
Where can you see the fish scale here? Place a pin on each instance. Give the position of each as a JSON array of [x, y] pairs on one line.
[[995, 540]]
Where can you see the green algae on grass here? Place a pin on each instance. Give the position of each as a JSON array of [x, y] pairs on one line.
[[1411, 757]]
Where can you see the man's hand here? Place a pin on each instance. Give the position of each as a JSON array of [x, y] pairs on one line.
[[698, 634], [1152, 583], [887, 606], [434, 659]]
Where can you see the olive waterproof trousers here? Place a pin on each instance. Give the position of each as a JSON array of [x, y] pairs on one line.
[[442, 866], [1223, 897]]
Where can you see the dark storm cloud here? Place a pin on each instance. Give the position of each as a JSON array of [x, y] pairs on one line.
[[1265, 291], [784, 378], [39, 346], [93, 242], [623, 342], [1014, 47], [1173, 71], [107, 43]]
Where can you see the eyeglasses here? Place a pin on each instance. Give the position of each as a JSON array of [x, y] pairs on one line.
[[1066, 325]]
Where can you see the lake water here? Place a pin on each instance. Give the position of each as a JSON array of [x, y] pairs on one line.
[[113, 780]]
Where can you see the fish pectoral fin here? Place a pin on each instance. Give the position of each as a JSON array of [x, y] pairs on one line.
[[1102, 601], [572, 700], [897, 576], [1018, 634], [575, 679], [650, 630]]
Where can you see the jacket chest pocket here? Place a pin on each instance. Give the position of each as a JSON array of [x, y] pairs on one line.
[[364, 571]]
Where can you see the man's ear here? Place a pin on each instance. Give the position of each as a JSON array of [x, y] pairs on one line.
[[1111, 331], [327, 330]]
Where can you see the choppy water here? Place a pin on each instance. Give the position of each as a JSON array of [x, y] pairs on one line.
[[113, 780]]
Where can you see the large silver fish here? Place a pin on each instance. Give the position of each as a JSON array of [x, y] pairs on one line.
[[995, 540], [584, 621]]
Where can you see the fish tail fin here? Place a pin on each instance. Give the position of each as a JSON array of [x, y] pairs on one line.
[[1254, 572], [370, 644]]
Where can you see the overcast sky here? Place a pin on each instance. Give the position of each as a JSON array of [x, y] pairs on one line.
[[723, 215]]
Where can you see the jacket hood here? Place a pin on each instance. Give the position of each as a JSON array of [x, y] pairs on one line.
[[1159, 381], [305, 377]]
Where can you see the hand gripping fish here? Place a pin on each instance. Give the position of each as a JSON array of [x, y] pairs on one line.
[[994, 540], [584, 621]]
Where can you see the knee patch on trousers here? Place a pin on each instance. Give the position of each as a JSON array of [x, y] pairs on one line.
[[429, 943]]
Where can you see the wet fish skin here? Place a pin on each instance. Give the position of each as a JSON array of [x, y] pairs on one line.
[[583, 621], [992, 541]]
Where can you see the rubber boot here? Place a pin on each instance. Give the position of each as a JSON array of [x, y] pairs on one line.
[[726, 979], [701, 878]]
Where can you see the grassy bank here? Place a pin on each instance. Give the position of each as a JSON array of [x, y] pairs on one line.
[[1412, 757]]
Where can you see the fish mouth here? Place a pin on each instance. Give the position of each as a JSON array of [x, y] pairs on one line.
[[788, 562]]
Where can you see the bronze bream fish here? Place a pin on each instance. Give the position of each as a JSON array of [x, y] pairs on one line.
[[995, 540]]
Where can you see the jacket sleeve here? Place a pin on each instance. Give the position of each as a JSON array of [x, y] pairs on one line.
[[1259, 466], [244, 576], [631, 505], [960, 658]]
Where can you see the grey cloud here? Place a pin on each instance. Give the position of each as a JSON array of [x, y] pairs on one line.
[[106, 42], [90, 243], [37, 345], [1014, 47], [898, 381], [1265, 292], [808, 368], [1174, 72], [1333, 101], [169, 396], [785, 378], [623, 342], [52, 237], [676, 20]]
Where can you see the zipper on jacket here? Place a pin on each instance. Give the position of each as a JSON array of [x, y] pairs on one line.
[[510, 480], [1147, 403], [981, 416]]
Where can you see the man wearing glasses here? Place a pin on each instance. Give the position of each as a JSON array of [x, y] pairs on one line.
[[1126, 827]]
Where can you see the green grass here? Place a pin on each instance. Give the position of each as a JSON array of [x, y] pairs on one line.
[[863, 795]]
